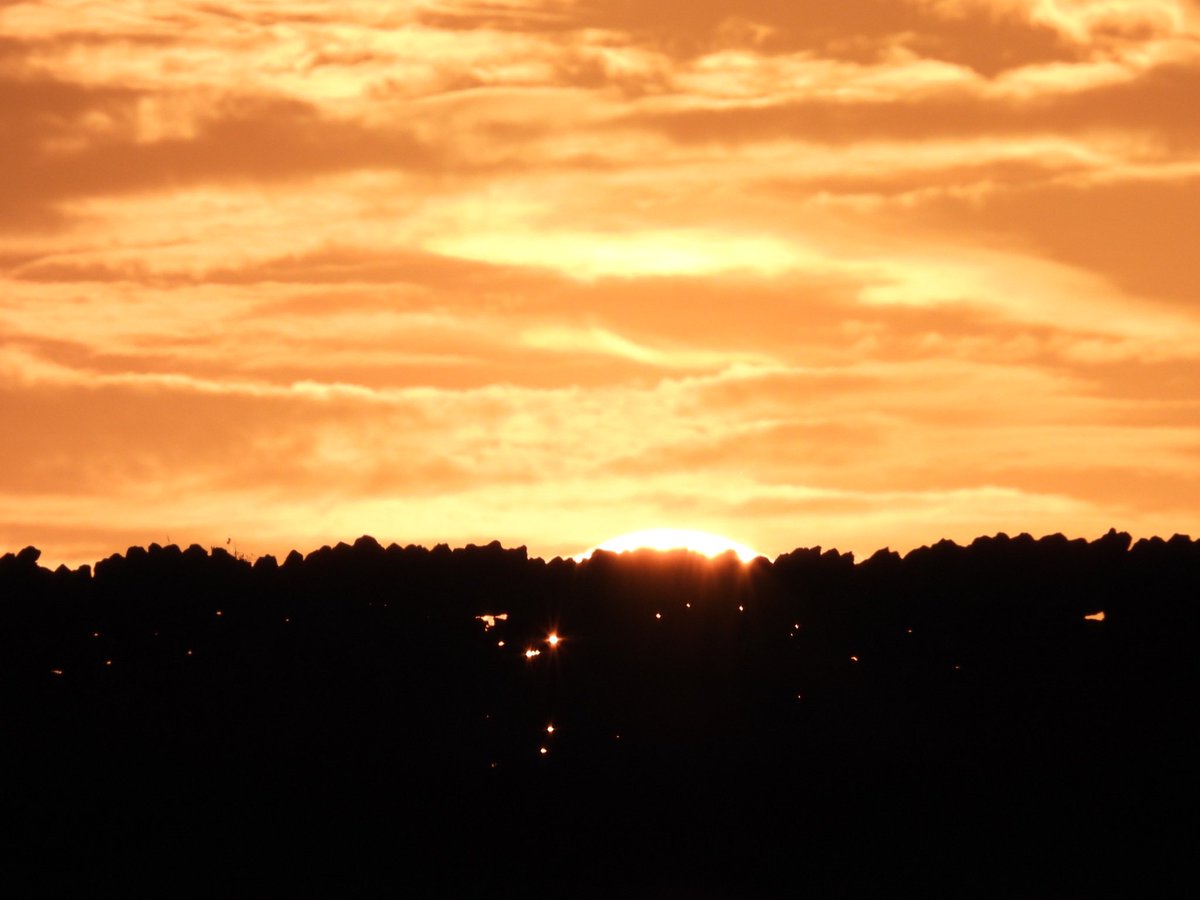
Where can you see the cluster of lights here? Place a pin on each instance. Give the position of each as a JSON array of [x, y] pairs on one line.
[[552, 641]]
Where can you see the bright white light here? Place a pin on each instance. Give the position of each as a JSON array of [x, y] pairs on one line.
[[702, 542], [553, 640]]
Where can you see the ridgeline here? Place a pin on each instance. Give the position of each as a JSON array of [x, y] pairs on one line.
[[1011, 718]]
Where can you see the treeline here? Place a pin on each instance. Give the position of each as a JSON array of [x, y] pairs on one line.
[[657, 720]]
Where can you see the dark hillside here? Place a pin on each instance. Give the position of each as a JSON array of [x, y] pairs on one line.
[[957, 722]]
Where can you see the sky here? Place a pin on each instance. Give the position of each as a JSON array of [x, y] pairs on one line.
[[854, 274]]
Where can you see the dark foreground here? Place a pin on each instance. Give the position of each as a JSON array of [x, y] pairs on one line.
[[949, 724]]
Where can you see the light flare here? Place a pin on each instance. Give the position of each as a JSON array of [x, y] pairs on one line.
[[664, 539]]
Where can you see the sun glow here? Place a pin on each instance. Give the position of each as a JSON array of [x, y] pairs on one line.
[[702, 542]]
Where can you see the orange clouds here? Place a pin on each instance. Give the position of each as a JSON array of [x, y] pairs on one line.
[[859, 273]]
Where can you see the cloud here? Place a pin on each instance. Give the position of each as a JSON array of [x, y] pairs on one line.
[[855, 273], [984, 37]]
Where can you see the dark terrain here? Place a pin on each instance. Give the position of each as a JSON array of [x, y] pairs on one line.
[[944, 724]]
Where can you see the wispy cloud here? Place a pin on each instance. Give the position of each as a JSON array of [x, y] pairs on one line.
[[545, 270]]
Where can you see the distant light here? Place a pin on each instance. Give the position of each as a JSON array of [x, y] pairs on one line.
[[854, 659], [286, 619], [219, 613], [492, 765], [1096, 617], [56, 671], [543, 751], [489, 620], [549, 729], [553, 639], [796, 627], [108, 662], [688, 605], [799, 696], [499, 643], [189, 653], [97, 634], [958, 668], [910, 631], [531, 653], [741, 608], [658, 615]]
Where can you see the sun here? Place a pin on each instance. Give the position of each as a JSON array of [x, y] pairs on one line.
[[703, 542]]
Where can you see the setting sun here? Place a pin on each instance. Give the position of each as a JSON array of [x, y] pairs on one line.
[[702, 542]]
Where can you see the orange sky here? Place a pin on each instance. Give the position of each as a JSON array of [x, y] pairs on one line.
[[855, 274]]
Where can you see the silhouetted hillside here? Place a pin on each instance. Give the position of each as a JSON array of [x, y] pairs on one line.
[[1010, 718]]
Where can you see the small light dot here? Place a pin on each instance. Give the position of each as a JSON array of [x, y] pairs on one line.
[[854, 659], [543, 751], [492, 765], [549, 729], [56, 671], [189, 653], [499, 643], [108, 662], [688, 605], [658, 615], [910, 631], [531, 653], [799, 696], [741, 608], [97, 634], [553, 640], [286, 619], [219, 613], [796, 627]]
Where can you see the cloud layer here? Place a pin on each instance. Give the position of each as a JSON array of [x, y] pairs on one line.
[[860, 274]]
